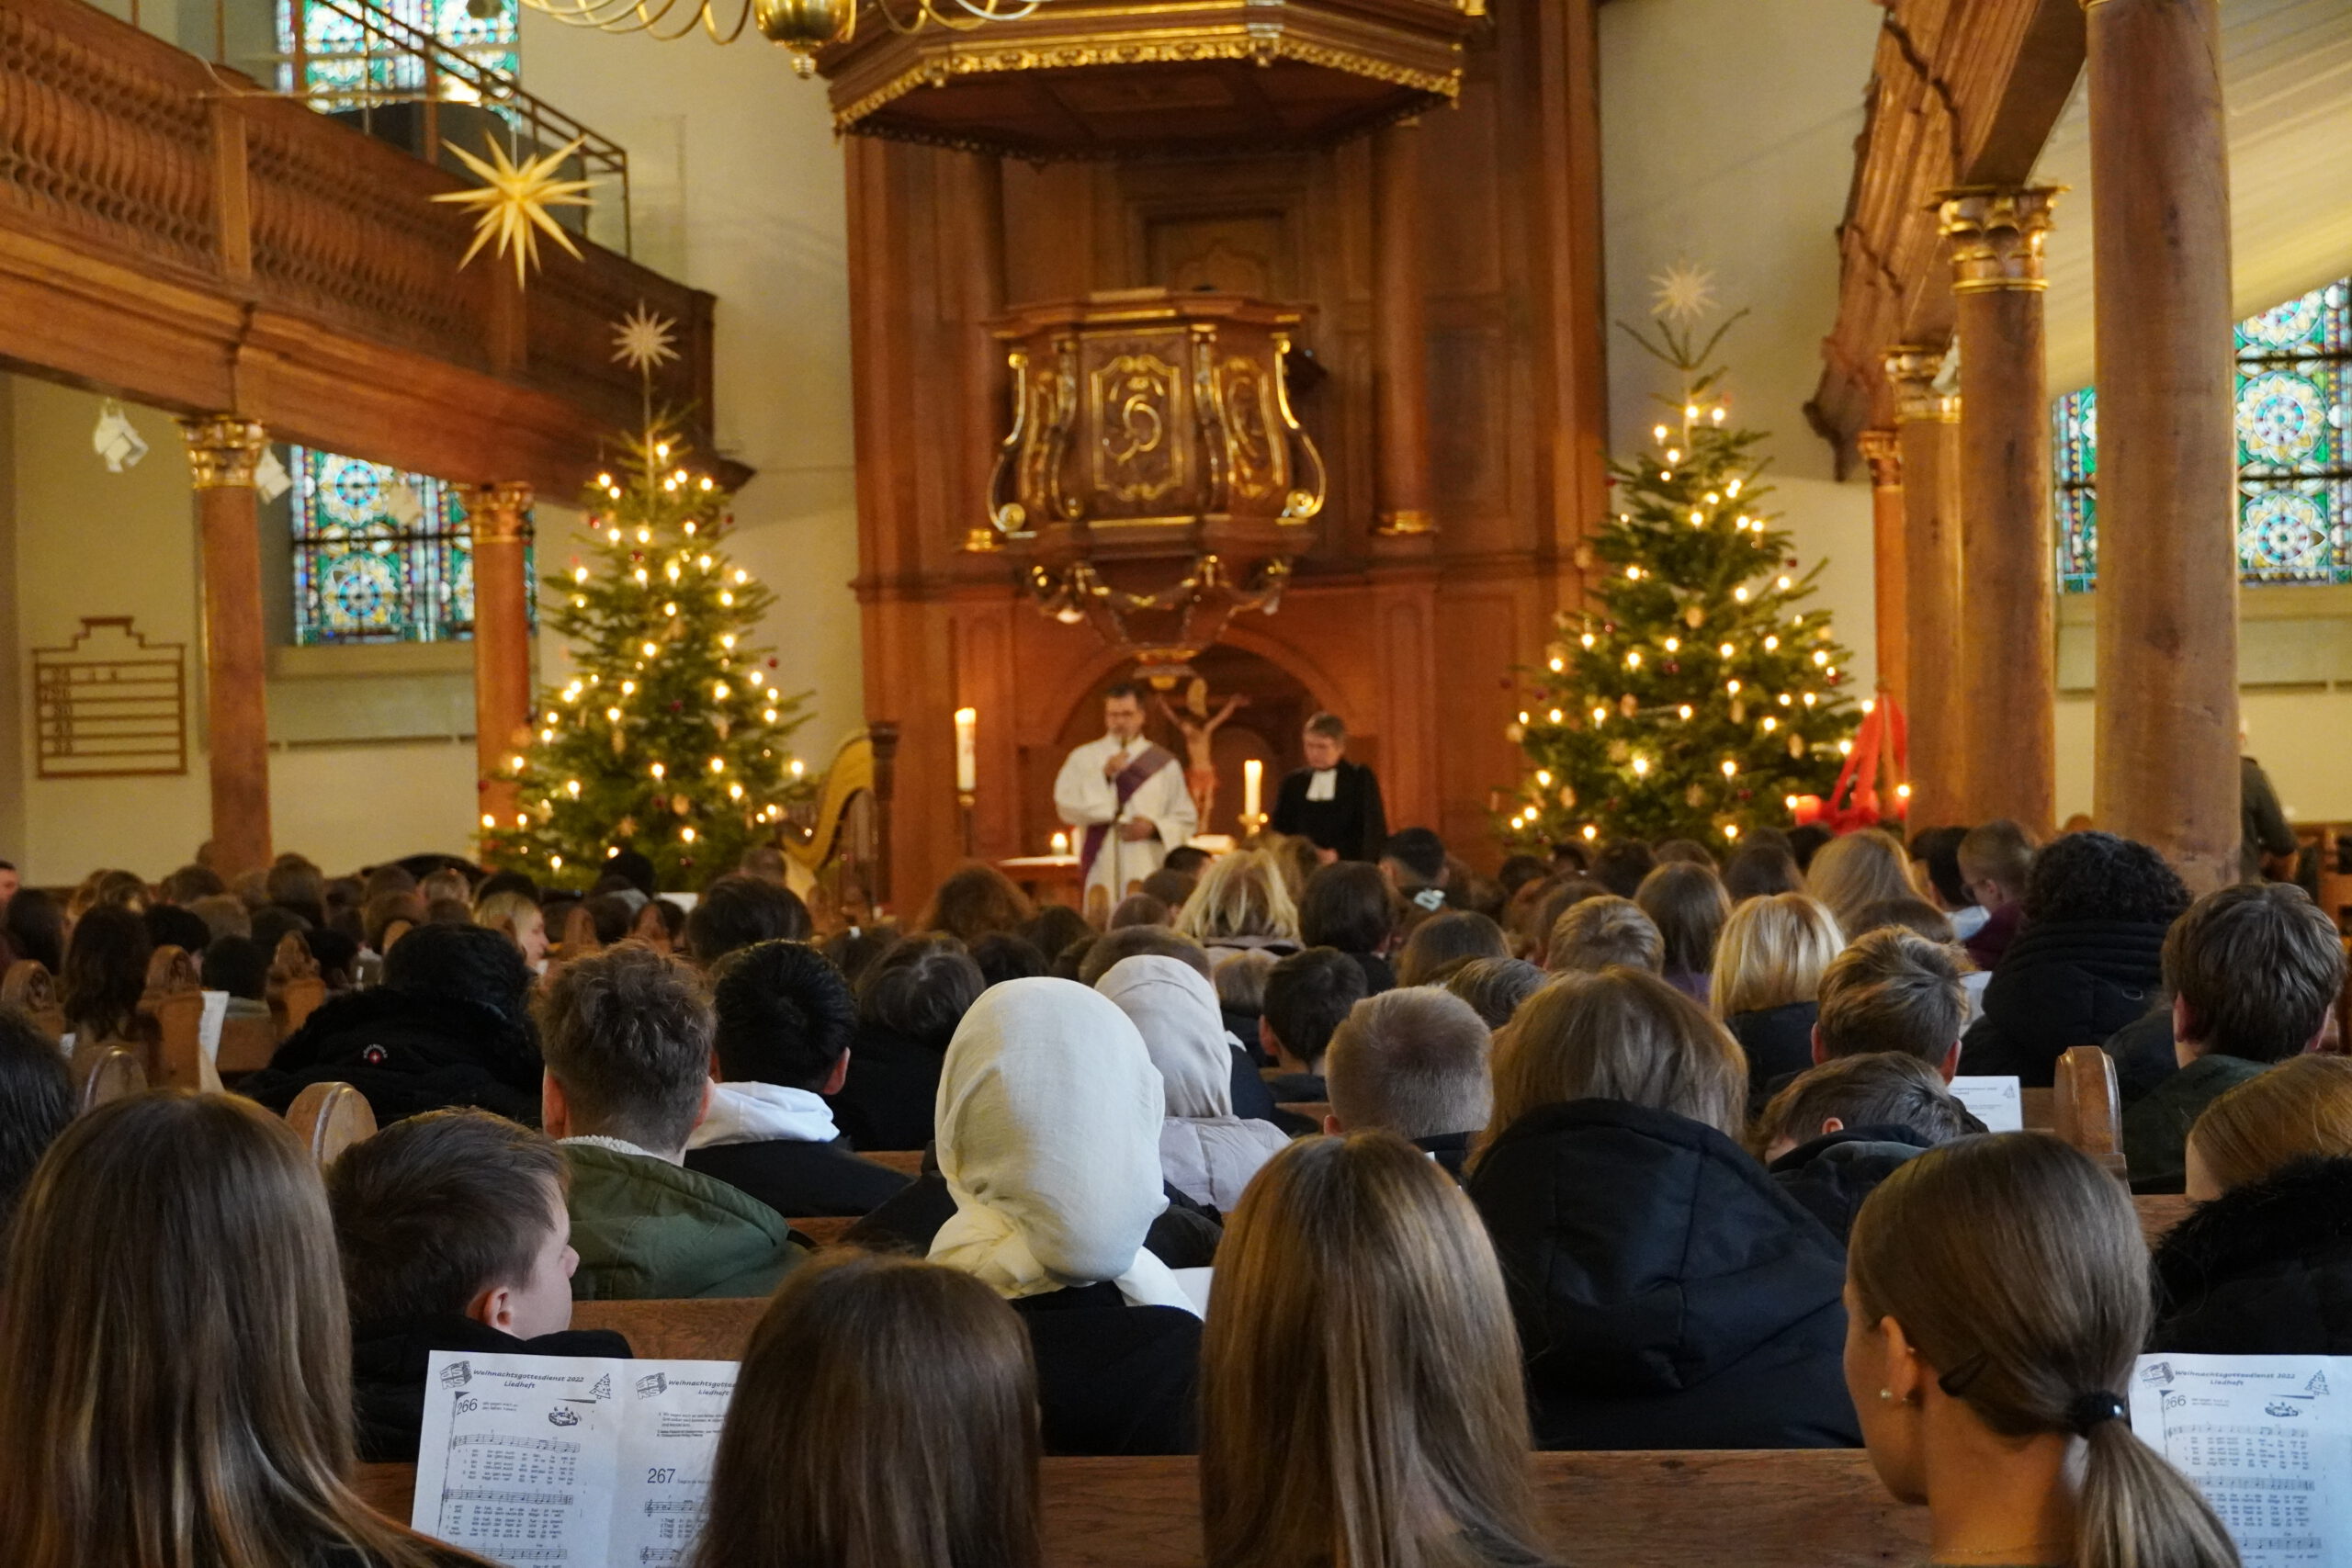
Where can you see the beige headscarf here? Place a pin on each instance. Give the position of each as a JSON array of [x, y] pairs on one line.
[[1175, 1010], [1048, 1117]]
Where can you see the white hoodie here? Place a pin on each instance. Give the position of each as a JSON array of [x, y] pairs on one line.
[[762, 1113]]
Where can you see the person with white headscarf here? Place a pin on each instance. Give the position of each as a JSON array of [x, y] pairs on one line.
[[1205, 1151], [1049, 1116]]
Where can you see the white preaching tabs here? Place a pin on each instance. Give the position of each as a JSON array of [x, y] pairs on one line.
[[2268, 1439], [1997, 1102], [575, 1460]]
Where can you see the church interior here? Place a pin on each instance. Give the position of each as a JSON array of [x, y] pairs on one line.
[[1741, 610]]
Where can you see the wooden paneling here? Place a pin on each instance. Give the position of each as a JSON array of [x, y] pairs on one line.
[[167, 237]]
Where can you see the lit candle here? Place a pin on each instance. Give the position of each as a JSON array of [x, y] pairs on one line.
[[1061, 843], [1253, 774], [968, 750]]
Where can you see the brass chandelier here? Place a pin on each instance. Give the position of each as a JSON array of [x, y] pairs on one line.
[[804, 27]]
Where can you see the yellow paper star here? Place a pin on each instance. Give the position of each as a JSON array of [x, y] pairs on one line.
[[512, 202], [641, 341]]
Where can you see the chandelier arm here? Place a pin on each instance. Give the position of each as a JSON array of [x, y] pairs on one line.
[[710, 25]]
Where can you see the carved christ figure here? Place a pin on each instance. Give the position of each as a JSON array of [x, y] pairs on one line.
[[1200, 741]]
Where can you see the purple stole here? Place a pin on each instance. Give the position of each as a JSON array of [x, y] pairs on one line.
[[1131, 778]]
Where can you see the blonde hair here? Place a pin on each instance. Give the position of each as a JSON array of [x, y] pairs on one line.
[[2016, 1269], [511, 911], [1240, 894], [1774, 951], [1621, 1035], [180, 1387], [2299, 1109], [1361, 1401], [1852, 872]]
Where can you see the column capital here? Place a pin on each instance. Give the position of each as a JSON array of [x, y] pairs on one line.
[[497, 513], [223, 450], [1883, 450], [1912, 368], [1996, 233]]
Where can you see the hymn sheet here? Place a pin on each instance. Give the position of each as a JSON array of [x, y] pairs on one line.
[[572, 1460], [2268, 1439], [1999, 1103]]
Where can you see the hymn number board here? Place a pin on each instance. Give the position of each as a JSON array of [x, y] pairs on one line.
[[110, 705]]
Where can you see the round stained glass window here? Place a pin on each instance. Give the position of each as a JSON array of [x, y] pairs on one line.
[[2285, 325], [362, 591], [2280, 417], [353, 496], [2282, 534]]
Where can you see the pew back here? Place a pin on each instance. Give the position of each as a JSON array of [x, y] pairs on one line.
[[102, 1073], [31, 990], [329, 1118]]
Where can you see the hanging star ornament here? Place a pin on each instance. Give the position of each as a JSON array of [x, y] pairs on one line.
[[513, 200], [1684, 293], [642, 340]]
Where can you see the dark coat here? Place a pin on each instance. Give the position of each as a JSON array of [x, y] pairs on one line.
[[2155, 1128], [2062, 984], [1378, 976], [1451, 1150], [1112, 1379], [1779, 1042], [885, 1102], [409, 1053], [1183, 1236], [2144, 1055], [387, 1368], [1668, 1293], [1352, 822], [800, 1180], [2264, 1269], [1830, 1176], [1253, 1098]]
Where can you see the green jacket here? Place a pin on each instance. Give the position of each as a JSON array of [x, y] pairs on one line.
[[646, 1230], [2156, 1126]]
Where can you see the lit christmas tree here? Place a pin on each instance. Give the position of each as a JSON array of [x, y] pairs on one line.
[[1690, 697], [671, 735]]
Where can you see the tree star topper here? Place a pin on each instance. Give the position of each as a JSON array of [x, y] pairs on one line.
[[512, 202], [1685, 292], [642, 340]]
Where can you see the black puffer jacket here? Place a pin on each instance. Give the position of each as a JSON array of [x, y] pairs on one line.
[[2062, 984], [1779, 1042], [2264, 1269], [1668, 1294], [409, 1053]]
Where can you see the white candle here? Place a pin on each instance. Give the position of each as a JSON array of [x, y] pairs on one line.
[[968, 750], [1061, 843], [1253, 774]]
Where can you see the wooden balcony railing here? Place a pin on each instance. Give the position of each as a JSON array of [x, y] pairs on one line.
[[172, 232]]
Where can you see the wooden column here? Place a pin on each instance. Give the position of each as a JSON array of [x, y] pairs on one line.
[[1927, 428], [1890, 584], [2167, 736], [498, 518], [2008, 568], [1400, 338], [221, 452]]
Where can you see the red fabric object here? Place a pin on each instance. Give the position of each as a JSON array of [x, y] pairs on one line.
[[1871, 788]]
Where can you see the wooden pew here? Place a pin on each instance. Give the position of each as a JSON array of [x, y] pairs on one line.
[[2085, 1108], [102, 1073], [246, 1045], [329, 1118], [31, 990], [1790, 1508], [296, 989], [906, 1162], [170, 1024], [825, 1230]]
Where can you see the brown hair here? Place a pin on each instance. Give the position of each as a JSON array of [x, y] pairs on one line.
[[1621, 1035], [2299, 1109], [1876, 1088], [179, 1386], [435, 1208], [1444, 940], [1892, 990], [1360, 1333], [1857, 870], [885, 1416], [1329, 725], [1687, 902], [2259, 964], [2016, 1270], [626, 1035], [1912, 914], [1599, 932], [1999, 851], [1773, 951], [1495, 987], [1413, 1061], [975, 901]]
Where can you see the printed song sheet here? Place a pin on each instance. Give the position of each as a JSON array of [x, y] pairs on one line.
[[1997, 1102], [590, 1464], [2268, 1439]]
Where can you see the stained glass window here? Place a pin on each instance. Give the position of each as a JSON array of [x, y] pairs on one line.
[[2294, 417], [379, 556], [345, 64]]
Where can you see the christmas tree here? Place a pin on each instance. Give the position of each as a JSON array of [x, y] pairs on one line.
[[1691, 695], [670, 736]]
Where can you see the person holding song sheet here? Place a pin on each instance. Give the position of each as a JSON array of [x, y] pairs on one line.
[[1127, 798]]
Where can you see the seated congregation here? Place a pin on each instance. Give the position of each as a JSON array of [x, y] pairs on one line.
[[1626, 1150]]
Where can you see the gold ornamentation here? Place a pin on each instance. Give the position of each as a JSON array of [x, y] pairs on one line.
[[1134, 400], [1684, 292], [1256, 457], [804, 27], [1912, 370], [1996, 233], [223, 450], [511, 203], [498, 513], [642, 340], [1404, 524], [1884, 451]]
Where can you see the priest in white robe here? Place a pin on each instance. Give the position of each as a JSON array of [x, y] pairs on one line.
[[1127, 798]]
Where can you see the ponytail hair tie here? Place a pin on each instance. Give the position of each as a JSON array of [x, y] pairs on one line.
[[2089, 1410], [1430, 898]]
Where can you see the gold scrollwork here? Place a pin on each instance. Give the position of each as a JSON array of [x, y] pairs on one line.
[[1259, 454], [1135, 399]]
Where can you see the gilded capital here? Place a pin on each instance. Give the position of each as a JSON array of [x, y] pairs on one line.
[[498, 513], [1996, 233], [1404, 524], [1884, 451], [1912, 369], [223, 450]]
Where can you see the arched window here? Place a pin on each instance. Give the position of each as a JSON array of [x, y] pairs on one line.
[[345, 62], [2294, 417], [379, 556]]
